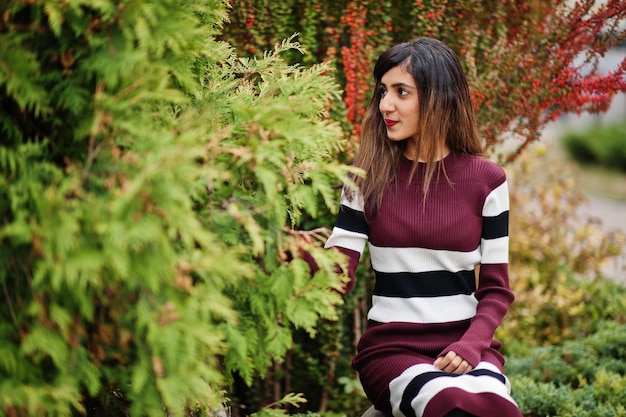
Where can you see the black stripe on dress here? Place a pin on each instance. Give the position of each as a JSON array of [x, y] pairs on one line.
[[496, 226], [351, 220], [424, 284], [415, 386], [487, 372]]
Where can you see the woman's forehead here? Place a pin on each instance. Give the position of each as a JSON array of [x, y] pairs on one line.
[[398, 75]]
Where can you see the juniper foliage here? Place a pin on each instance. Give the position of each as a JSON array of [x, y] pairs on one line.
[[147, 176]]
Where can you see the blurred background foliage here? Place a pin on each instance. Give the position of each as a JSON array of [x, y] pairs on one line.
[[163, 164], [600, 144]]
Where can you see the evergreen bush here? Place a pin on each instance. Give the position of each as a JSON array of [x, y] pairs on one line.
[[584, 377], [147, 174]]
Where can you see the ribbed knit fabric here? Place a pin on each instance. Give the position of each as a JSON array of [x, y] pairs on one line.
[[425, 300]]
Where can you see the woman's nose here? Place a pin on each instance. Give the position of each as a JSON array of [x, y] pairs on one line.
[[386, 104]]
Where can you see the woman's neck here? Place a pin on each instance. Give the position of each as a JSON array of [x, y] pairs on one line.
[[410, 153]]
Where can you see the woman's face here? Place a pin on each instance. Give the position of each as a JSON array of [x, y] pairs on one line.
[[399, 105]]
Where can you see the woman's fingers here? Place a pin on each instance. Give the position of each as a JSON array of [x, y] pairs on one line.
[[463, 368], [452, 363]]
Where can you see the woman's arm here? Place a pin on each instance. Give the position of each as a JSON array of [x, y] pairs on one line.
[[493, 293], [349, 236]]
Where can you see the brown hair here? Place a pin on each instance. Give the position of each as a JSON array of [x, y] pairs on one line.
[[446, 116]]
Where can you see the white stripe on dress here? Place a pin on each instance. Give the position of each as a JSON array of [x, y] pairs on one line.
[[346, 239], [497, 201], [469, 383], [495, 251], [423, 310], [355, 204], [387, 259]]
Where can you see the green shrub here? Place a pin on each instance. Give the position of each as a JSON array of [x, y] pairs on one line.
[[540, 399], [576, 362], [578, 148], [585, 377], [147, 174], [603, 145]]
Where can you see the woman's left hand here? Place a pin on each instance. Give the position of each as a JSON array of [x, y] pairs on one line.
[[452, 363]]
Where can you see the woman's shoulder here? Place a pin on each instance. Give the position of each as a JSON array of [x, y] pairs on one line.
[[482, 169]]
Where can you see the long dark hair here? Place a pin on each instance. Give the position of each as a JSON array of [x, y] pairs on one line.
[[446, 117]]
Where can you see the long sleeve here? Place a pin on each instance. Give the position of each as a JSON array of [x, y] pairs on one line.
[[493, 293], [350, 234]]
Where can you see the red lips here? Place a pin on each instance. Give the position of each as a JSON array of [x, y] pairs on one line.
[[389, 122]]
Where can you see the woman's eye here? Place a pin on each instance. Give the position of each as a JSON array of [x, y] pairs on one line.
[[403, 92], [382, 92]]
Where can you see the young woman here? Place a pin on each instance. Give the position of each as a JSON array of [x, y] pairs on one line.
[[435, 215]]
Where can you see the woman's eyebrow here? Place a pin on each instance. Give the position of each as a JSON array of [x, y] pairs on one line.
[[402, 85]]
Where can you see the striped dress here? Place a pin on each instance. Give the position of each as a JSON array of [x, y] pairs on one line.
[[426, 300]]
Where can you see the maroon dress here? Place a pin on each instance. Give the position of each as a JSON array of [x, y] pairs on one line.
[[427, 300]]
